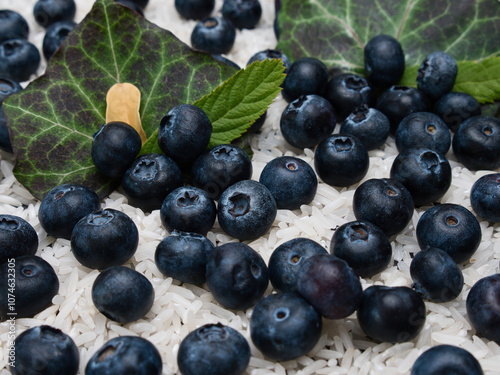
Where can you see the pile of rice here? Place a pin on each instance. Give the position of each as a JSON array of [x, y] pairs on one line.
[[178, 309]]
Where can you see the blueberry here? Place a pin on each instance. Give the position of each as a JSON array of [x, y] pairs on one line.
[[188, 209], [483, 307], [363, 245], [194, 9], [436, 76], [391, 314], [46, 12], [7, 88], [184, 133], [306, 76], [55, 35], [451, 228], [125, 355], [226, 61], [330, 285], [484, 197], [246, 210], [369, 125], [384, 202], [5, 143], [435, 275], [104, 238], [285, 326], [17, 237], [139, 4], [184, 256], [19, 59], [237, 276], [341, 160], [12, 25], [34, 285], [307, 120], [271, 54], [220, 167], [45, 350], [244, 14], [425, 173], [287, 259], [446, 359], [384, 61], [115, 147], [456, 107], [131, 5], [63, 206], [213, 349], [291, 181], [150, 179], [122, 294], [476, 143], [215, 35]]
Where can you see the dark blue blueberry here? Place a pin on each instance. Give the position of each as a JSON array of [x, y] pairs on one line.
[[19, 59], [125, 355], [384, 61], [483, 307], [306, 76], [476, 143], [34, 285], [291, 181], [456, 107], [5, 143], [7, 88], [425, 173], [277, 7], [391, 314], [237, 276], [446, 359], [271, 54], [64, 206], [131, 5], [114, 148], [307, 120], [142, 4], [194, 9], [451, 228], [45, 350], [246, 210], [17, 237], [12, 25], [213, 349], [330, 285], [184, 256], [385, 203], [226, 61], [286, 260], [484, 197], [436, 76], [150, 179], [244, 14], [285, 326], [46, 12], [122, 294], [188, 209], [104, 238], [423, 130], [369, 125], [341, 160], [220, 167], [436, 276], [55, 35], [364, 247], [215, 35]]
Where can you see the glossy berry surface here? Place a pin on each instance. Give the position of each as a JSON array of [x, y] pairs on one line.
[[384, 61], [306, 76], [17, 237], [446, 359], [104, 238], [286, 260], [391, 314], [271, 54], [45, 350], [12, 25], [46, 12], [34, 286], [237, 276], [436, 75], [131, 5], [19, 59], [7, 88], [484, 197], [215, 35], [451, 228], [213, 349], [55, 35], [125, 355], [285, 326], [122, 294], [456, 107], [244, 14], [194, 9]]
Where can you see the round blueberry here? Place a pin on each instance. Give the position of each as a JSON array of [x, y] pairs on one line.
[[46, 12], [5, 143], [19, 59], [306, 76], [384, 61], [456, 107], [484, 197], [17, 237], [12, 25], [436, 76], [215, 35], [55, 35], [131, 4], [271, 54], [7, 88], [213, 349], [226, 61], [194, 9], [244, 14], [446, 359]]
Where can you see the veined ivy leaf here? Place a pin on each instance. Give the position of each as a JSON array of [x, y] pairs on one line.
[[53, 120]]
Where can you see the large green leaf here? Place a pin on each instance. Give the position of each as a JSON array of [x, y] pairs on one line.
[[52, 121]]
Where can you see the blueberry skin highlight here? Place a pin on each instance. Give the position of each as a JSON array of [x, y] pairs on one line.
[[213, 349], [19, 59], [17, 237], [446, 359], [55, 35], [451, 228], [244, 14], [194, 9], [287, 259], [12, 25], [214, 35], [384, 61], [122, 294], [237, 276], [456, 107], [45, 350], [285, 326], [8, 87], [125, 355], [46, 12], [306, 76], [484, 197], [436, 75], [369, 125]]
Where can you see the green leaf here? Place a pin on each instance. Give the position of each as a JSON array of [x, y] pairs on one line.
[[53, 120]]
